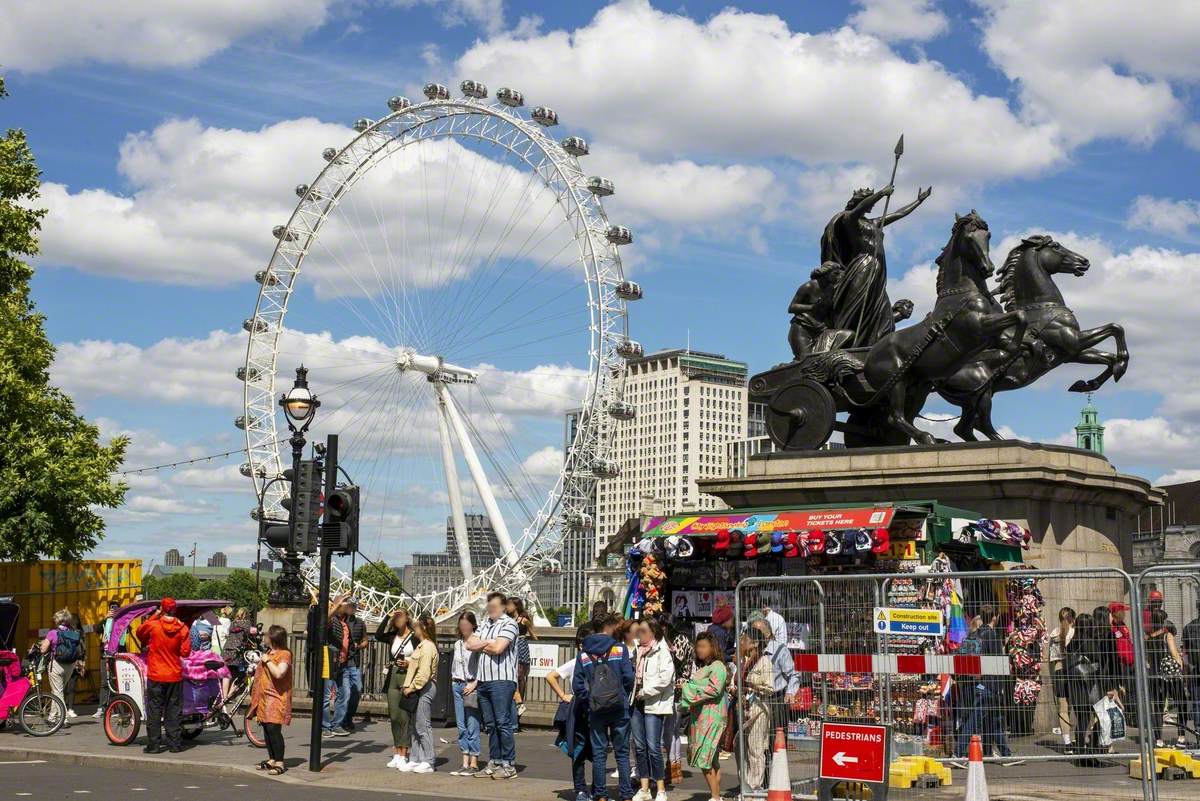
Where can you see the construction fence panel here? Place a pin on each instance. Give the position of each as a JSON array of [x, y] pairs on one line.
[[938, 657], [1168, 623]]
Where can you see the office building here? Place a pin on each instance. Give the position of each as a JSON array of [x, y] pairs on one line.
[[688, 406], [218, 560], [173, 558], [431, 572], [265, 565]]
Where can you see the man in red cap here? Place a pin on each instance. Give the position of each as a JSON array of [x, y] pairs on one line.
[[1125, 658], [165, 640], [1156, 602]]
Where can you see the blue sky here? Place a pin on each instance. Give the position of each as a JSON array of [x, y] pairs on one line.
[[171, 140]]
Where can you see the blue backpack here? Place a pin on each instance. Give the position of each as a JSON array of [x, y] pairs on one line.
[[68, 647]]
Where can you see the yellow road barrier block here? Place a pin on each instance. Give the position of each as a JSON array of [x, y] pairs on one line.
[[909, 771]]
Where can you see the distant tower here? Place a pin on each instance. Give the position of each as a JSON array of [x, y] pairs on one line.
[[1089, 434], [173, 558]]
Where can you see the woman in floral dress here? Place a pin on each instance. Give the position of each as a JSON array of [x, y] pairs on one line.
[[705, 695]]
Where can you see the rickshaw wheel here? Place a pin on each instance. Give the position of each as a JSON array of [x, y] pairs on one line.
[[254, 731], [192, 731], [41, 715], [122, 720]]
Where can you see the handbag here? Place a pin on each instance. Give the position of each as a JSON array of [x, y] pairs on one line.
[[410, 702], [471, 700], [1169, 668]]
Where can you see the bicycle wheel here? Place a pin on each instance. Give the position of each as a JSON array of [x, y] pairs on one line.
[[254, 732], [122, 720], [41, 715]]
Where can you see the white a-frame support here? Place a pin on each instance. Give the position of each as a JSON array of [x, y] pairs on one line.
[[450, 468]]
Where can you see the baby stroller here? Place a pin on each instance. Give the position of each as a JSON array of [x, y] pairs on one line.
[[39, 714]]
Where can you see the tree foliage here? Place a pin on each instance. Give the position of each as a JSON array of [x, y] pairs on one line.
[[378, 576], [238, 588], [54, 472]]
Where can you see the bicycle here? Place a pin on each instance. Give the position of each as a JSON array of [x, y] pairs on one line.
[[39, 714]]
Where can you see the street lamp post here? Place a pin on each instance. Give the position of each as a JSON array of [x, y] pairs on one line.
[[299, 407]]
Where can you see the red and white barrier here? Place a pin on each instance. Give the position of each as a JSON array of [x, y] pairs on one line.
[[960, 664]]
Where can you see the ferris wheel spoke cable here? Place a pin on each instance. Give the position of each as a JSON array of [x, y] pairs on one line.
[[466, 308], [477, 274], [511, 348], [371, 325], [512, 325], [381, 302], [547, 275], [517, 461]]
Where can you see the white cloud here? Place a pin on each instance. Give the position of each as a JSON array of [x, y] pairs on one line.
[[1164, 215], [1177, 477], [487, 14], [544, 464], [144, 33], [1096, 68], [741, 86], [900, 20], [226, 478]]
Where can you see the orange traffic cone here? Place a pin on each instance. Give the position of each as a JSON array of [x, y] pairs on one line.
[[779, 788], [976, 779]]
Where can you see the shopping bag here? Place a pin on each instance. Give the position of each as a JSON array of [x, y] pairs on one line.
[[1111, 718]]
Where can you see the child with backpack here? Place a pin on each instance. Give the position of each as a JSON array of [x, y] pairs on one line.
[[604, 680], [63, 648]]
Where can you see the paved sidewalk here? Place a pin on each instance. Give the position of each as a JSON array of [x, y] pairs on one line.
[[357, 762], [354, 762]]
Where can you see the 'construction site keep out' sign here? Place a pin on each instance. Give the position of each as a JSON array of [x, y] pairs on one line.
[[909, 622]]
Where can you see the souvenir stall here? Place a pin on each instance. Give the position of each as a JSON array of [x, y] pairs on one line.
[[688, 565]]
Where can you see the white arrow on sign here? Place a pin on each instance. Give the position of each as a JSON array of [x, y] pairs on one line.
[[842, 759]]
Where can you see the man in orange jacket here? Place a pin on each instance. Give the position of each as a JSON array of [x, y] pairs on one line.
[[165, 640]]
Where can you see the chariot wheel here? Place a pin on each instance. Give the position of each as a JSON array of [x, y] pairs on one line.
[[41, 715], [800, 416], [190, 731], [867, 428]]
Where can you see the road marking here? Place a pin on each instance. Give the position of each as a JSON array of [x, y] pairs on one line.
[[190, 787], [26, 762], [241, 785], [20, 793], [82, 792], [138, 789]]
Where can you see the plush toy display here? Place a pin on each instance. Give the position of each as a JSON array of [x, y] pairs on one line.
[[652, 581]]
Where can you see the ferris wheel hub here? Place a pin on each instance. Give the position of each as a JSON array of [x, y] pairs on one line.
[[437, 368]]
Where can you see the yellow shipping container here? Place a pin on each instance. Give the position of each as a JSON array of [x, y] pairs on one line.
[[85, 587]]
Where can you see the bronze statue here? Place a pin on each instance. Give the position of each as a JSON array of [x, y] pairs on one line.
[[855, 241], [810, 308], [1027, 284]]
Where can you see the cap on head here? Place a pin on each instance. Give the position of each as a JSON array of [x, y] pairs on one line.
[[1155, 595], [1117, 606], [167, 605]]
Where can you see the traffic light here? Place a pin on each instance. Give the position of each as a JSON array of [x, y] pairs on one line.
[[301, 533], [340, 529]]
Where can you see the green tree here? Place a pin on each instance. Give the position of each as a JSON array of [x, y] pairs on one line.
[[54, 472], [239, 587], [378, 576], [177, 585]]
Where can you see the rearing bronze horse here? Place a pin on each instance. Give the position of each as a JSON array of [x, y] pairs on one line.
[[904, 366]]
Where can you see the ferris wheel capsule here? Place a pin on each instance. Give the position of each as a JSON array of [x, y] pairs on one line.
[[435, 91], [301, 190], [510, 97], [474, 89], [363, 123], [240, 422], [246, 470], [266, 278], [575, 145], [545, 116], [620, 410], [629, 290], [601, 187], [255, 514], [282, 233], [247, 375], [630, 349], [329, 153], [398, 103], [606, 468], [254, 325], [618, 235], [579, 521]]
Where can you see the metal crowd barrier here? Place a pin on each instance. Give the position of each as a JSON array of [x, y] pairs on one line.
[[1037, 707]]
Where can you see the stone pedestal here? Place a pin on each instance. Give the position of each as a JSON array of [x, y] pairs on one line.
[[1080, 510]]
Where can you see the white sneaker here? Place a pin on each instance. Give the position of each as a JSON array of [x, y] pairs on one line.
[[421, 767], [99, 713], [405, 766], [71, 713], [396, 760], [662, 796], [641, 795]]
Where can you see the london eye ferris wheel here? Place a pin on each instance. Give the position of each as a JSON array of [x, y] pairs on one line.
[[453, 285]]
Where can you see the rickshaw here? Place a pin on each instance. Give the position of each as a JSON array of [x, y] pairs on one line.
[[202, 706], [39, 714]]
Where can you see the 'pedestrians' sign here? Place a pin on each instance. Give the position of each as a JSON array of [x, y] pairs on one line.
[[911, 622], [854, 752]]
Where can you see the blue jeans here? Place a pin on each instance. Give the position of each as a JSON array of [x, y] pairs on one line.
[[647, 744], [468, 722], [335, 703], [579, 776], [496, 706], [352, 686], [615, 732], [987, 720]]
